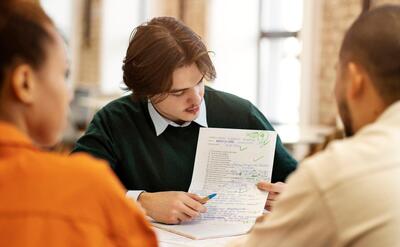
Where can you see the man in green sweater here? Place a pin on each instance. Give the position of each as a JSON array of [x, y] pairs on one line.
[[150, 137]]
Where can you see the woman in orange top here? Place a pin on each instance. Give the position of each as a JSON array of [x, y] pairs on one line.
[[48, 199]]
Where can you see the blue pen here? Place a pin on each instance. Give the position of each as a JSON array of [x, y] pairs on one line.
[[205, 199]]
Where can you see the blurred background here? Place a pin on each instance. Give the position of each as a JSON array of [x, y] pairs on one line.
[[279, 54]]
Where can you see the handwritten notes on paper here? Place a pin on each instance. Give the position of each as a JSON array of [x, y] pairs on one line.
[[230, 162]]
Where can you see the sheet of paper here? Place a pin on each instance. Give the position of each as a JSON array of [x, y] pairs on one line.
[[167, 239], [201, 230], [229, 162]]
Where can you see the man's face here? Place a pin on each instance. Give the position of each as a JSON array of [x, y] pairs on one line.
[[182, 104], [342, 104]]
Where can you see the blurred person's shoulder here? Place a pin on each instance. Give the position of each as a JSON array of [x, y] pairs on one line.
[[80, 172], [357, 180], [90, 169], [372, 150]]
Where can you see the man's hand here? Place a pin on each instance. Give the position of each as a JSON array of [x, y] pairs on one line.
[[273, 189], [171, 207]]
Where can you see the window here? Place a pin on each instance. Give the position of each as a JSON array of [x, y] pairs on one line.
[[257, 53], [119, 19], [233, 35], [279, 66], [60, 12]]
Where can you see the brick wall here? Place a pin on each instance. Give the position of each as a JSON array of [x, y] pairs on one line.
[[192, 12], [88, 33], [337, 16]]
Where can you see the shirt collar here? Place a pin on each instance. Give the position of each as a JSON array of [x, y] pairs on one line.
[[11, 135], [161, 123], [390, 112]]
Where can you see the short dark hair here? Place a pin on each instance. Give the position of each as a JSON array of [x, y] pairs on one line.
[[23, 35], [155, 50], [373, 41]]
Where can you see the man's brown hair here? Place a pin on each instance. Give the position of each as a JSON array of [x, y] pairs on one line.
[[155, 50], [373, 41], [23, 35]]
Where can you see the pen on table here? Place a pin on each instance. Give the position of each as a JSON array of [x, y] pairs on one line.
[[205, 199]]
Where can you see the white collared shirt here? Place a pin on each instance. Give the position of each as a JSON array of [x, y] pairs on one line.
[[161, 123]]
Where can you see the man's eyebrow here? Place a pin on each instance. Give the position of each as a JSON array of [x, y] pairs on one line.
[[183, 89]]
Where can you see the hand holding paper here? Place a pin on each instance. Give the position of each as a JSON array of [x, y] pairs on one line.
[[172, 207], [273, 189]]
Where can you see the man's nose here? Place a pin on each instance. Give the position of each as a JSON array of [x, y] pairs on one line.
[[195, 96]]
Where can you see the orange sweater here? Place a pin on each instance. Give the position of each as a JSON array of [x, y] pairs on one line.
[[51, 200]]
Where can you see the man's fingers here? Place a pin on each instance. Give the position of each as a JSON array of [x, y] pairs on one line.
[[189, 211], [264, 186], [280, 187], [273, 196], [193, 203], [182, 217], [269, 204], [271, 187], [194, 196]]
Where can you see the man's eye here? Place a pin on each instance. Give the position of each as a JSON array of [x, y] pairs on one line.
[[180, 93]]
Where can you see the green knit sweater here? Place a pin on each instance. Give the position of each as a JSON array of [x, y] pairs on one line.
[[123, 134]]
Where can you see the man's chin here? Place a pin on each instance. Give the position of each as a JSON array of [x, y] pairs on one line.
[[188, 120], [188, 117], [183, 120]]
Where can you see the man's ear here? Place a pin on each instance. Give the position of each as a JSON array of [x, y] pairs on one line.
[[357, 79], [23, 83]]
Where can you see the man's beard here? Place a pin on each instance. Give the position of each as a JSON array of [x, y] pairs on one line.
[[345, 115]]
